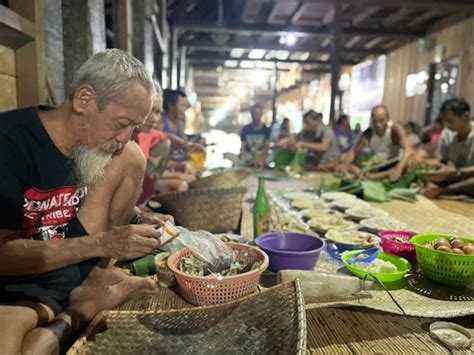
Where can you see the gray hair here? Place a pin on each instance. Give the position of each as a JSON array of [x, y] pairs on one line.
[[110, 73]]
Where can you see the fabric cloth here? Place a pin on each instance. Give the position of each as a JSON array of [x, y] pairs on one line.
[[414, 139], [39, 197], [452, 149], [147, 140], [344, 138], [314, 158], [255, 137]]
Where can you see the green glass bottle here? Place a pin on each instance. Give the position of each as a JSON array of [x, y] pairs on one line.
[[261, 210]]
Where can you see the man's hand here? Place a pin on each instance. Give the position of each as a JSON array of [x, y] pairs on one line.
[[129, 242], [300, 145], [195, 147], [444, 173], [432, 192], [155, 218], [395, 174]]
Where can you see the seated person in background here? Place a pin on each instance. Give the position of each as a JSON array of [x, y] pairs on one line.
[[385, 139], [343, 133], [255, 140], [412, 131], [284, 134], [156, 148], [68, 186], [175, 104], [319, 141], [455, 169]]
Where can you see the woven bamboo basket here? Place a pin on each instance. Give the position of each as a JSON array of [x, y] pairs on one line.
[[215, 210], [272, 322], [225, 178]]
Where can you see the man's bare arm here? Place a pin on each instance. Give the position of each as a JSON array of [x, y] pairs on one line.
[[26, 256]]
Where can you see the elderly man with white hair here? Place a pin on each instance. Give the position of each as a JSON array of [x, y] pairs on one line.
[[69, 182]]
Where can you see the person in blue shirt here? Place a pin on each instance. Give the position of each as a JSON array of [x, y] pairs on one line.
[[255, 140]]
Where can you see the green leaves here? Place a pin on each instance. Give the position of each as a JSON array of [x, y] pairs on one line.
[[374, 191]]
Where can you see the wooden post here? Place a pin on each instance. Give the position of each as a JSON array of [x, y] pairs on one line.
[[123, 25], [274, 92], [174, 55], [335, 59], [83, 34], [182, 67]]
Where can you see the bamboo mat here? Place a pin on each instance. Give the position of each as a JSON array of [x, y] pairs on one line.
[[355, 331], [416, 295]]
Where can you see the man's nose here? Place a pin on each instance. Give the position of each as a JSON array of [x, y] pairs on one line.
[[124, 135]]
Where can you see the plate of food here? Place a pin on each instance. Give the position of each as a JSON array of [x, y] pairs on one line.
[[359, 213], [325, 222], [386, 267], [344, 204], [300, 196], [336, 195], [354, 239], [311, 212], [309, 204], [376, 224]]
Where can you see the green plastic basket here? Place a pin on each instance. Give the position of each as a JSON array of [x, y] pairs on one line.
[[403, 266], [445, 268]]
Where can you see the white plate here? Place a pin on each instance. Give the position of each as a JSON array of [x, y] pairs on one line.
[[377, 224], [365, 212], [331, 196]]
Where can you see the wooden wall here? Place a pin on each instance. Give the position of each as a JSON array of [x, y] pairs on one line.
[[458, 41], [8, 99]]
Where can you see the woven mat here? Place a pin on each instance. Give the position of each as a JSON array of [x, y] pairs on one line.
[[352, 331], [416, 295], [164, 299]]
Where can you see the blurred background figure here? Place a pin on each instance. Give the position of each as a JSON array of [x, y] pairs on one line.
[[342, 130]]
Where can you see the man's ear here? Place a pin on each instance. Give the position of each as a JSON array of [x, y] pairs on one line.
[[83, 98]]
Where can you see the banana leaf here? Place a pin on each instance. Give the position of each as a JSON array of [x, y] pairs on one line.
[[374, 191], [404, 194]]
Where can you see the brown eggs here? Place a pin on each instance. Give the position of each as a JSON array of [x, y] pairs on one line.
[[468, 249], [441, 242], [457, 243], [454, 245], [444, 248]]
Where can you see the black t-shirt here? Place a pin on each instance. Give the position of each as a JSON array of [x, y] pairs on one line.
[[39, 194]]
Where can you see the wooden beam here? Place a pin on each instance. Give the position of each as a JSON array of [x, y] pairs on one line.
[[207, 58], [211, 46], [362, 16], [352, 41], [445, 5], [425, 17], [301, 31], [399, 15], [159, 37], [16, 31]]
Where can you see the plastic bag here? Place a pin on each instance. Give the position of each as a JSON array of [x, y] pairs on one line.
[[216, 255]]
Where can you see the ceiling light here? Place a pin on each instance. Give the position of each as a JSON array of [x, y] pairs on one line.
[[237, 52], [257, 54], [231, 63]]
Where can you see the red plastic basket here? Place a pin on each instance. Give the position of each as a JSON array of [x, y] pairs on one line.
[[404, 249], [208, 290]]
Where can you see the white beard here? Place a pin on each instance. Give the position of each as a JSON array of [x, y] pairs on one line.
[[91, 163]]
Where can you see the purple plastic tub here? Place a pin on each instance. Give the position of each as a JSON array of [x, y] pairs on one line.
[[288, 250]]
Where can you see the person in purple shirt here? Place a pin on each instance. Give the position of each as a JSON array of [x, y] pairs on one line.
[[343, 132]]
